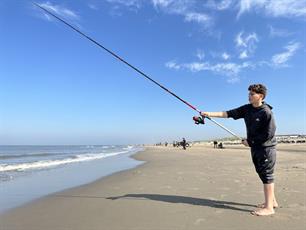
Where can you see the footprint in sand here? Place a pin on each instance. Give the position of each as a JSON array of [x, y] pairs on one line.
[[219, 211], [166, 186], [199, 221]]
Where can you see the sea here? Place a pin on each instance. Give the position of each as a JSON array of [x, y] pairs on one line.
[[31, 172]]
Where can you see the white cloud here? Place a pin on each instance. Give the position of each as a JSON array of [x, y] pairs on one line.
[[245, 40], [200, 54], [59, 10], [225, 56], [196, 66], [172, 65], [219, 5], [275, 32], [184, 8], [136, 4], [225, 4], [93, 7], [274, 8], [233, 69], [238, 40], [229, 69], [188, 9], [200, 18], [180, 7], [243, 54], [162, 3], [246, 44], [281, 58]]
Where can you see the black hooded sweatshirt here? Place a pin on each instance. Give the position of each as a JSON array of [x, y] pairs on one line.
[[259, 123]]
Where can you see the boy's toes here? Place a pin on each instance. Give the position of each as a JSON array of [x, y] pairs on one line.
[[263, 212]]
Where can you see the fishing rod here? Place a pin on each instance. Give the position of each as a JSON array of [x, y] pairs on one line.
[[198, 120]]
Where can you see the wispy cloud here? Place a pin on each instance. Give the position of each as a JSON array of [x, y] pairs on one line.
[[172, 65], [59, 10], [200, 54], [229, 69], [220, 55], [281, 59], [162, 3], [225, 56], [186, 9], [93, 6], [245, 40], [233, 69], [274, 8], [246, 44], [219, 5], [243, 54], [276, 32], [200, 18], [135, 4]]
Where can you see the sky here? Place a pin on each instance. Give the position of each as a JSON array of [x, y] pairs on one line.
[[58, 88]]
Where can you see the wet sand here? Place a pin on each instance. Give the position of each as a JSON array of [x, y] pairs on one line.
[[200, 188]]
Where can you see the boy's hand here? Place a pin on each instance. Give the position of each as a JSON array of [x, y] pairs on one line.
[[205, 114], [245, 143]]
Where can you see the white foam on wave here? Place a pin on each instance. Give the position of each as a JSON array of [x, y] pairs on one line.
[[129, 147], [54, 163]]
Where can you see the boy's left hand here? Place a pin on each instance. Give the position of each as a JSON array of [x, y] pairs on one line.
[[245, 143]]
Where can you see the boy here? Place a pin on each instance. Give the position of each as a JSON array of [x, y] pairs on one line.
[[261, 128]]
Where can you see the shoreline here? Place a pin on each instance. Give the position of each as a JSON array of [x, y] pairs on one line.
[[40, 184], [173, 189]]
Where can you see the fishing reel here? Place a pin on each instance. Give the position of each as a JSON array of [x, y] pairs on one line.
[[199, 120]]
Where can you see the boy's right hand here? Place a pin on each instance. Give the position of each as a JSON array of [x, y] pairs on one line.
[[205, 114], [245, 143]]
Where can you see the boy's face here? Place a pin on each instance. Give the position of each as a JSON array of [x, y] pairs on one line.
[[255, 98]]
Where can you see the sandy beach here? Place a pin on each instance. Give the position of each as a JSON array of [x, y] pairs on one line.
[[200, 188]]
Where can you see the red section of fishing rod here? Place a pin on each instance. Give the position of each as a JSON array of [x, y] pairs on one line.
[[116, 56]]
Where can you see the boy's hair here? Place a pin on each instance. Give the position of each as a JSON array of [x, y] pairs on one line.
[[258, 88]]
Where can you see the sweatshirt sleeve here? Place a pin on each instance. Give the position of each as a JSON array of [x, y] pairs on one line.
[[237, 113]]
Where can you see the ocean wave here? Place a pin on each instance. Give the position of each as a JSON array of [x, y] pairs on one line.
[[54, 163], [129, 147], [12, 156]]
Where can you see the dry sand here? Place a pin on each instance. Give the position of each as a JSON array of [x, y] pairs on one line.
[[201, 188]]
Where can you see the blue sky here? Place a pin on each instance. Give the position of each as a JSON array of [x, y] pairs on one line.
[[58, 88]]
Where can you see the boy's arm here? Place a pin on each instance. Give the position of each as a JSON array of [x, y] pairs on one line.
[[215, 114]]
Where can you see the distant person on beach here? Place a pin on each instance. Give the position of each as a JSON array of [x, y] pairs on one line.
[[215, 144], [184, 143], [220, 145], [261, 139]]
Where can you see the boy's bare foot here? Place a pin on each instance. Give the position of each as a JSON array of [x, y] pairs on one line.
[[263, 212], [263, 205]]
